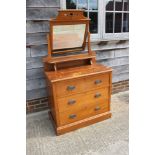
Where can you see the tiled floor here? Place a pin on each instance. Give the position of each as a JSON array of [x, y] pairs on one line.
[[108, 137]]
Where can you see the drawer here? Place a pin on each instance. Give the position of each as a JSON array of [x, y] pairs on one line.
[[69, 87], [79, 85], [75, 102], [85, 112], [97, 81]]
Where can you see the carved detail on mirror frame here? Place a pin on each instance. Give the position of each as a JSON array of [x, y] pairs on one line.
[[70, 15]]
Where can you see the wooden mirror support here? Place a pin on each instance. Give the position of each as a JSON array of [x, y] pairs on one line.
[[70, 18], [60, 36], [79, 89]]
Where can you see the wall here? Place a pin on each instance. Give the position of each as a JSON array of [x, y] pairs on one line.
[[111, 53]]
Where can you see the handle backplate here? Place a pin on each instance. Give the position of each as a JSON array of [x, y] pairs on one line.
[[70, 102], [97, 95], [97, 108], [70, 87], [98, 81], [72, 116]]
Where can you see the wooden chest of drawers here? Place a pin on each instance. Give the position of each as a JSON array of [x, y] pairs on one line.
[[79, 88], [79, 96]]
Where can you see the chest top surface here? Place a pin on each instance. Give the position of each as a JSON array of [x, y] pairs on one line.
[[77, 72]]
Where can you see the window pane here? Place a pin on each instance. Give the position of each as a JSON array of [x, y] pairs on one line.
[[93, 23], [82, 4], [118, 22], [118, 5], [126, 22], [109, 22], [85, 14], [109, 5], [71, 4], [93, 4], [126, 5]]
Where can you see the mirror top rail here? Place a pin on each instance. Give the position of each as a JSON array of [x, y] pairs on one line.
[[70, 15]]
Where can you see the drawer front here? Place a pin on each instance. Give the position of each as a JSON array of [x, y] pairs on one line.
[[75, 102], [79, 85], [69, 87], [97, 81], [69, 116]]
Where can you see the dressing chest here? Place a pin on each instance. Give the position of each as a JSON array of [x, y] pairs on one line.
[[79, 89]]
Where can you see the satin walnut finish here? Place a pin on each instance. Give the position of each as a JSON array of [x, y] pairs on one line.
[[79, 88]]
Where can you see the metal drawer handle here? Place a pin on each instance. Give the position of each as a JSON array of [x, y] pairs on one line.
[[97, 95], [98, 81], [97, 108], [72, 116], [70, 102], [70, 87]]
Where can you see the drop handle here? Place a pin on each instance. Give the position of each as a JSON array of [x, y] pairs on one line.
[[70, 87], [70, 102], [72, 116], [97, 95], [98, 81], [97, 108]]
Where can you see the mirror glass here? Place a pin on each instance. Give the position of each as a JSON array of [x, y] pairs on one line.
[[68, 36]]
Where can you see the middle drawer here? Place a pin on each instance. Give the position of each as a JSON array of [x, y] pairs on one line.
[[78, 101]]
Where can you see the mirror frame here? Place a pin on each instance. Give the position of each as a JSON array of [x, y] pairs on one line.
[[69, 17]]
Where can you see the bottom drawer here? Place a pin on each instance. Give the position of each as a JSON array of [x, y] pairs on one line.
[[69, 116]]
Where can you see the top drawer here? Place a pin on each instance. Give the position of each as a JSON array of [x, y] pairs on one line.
[[97, 81], [74, 86], [69, 87]]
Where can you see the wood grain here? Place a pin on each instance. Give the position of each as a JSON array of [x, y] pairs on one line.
[[77, 101], [36, 93], [42, 3], [68, 58], [35, 73], [83, 112], [81, 85], [41, 13], [36, 39], [35, 84], [37, 26], [80, 72], [79, 124], [32, 63], [79, 88]]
